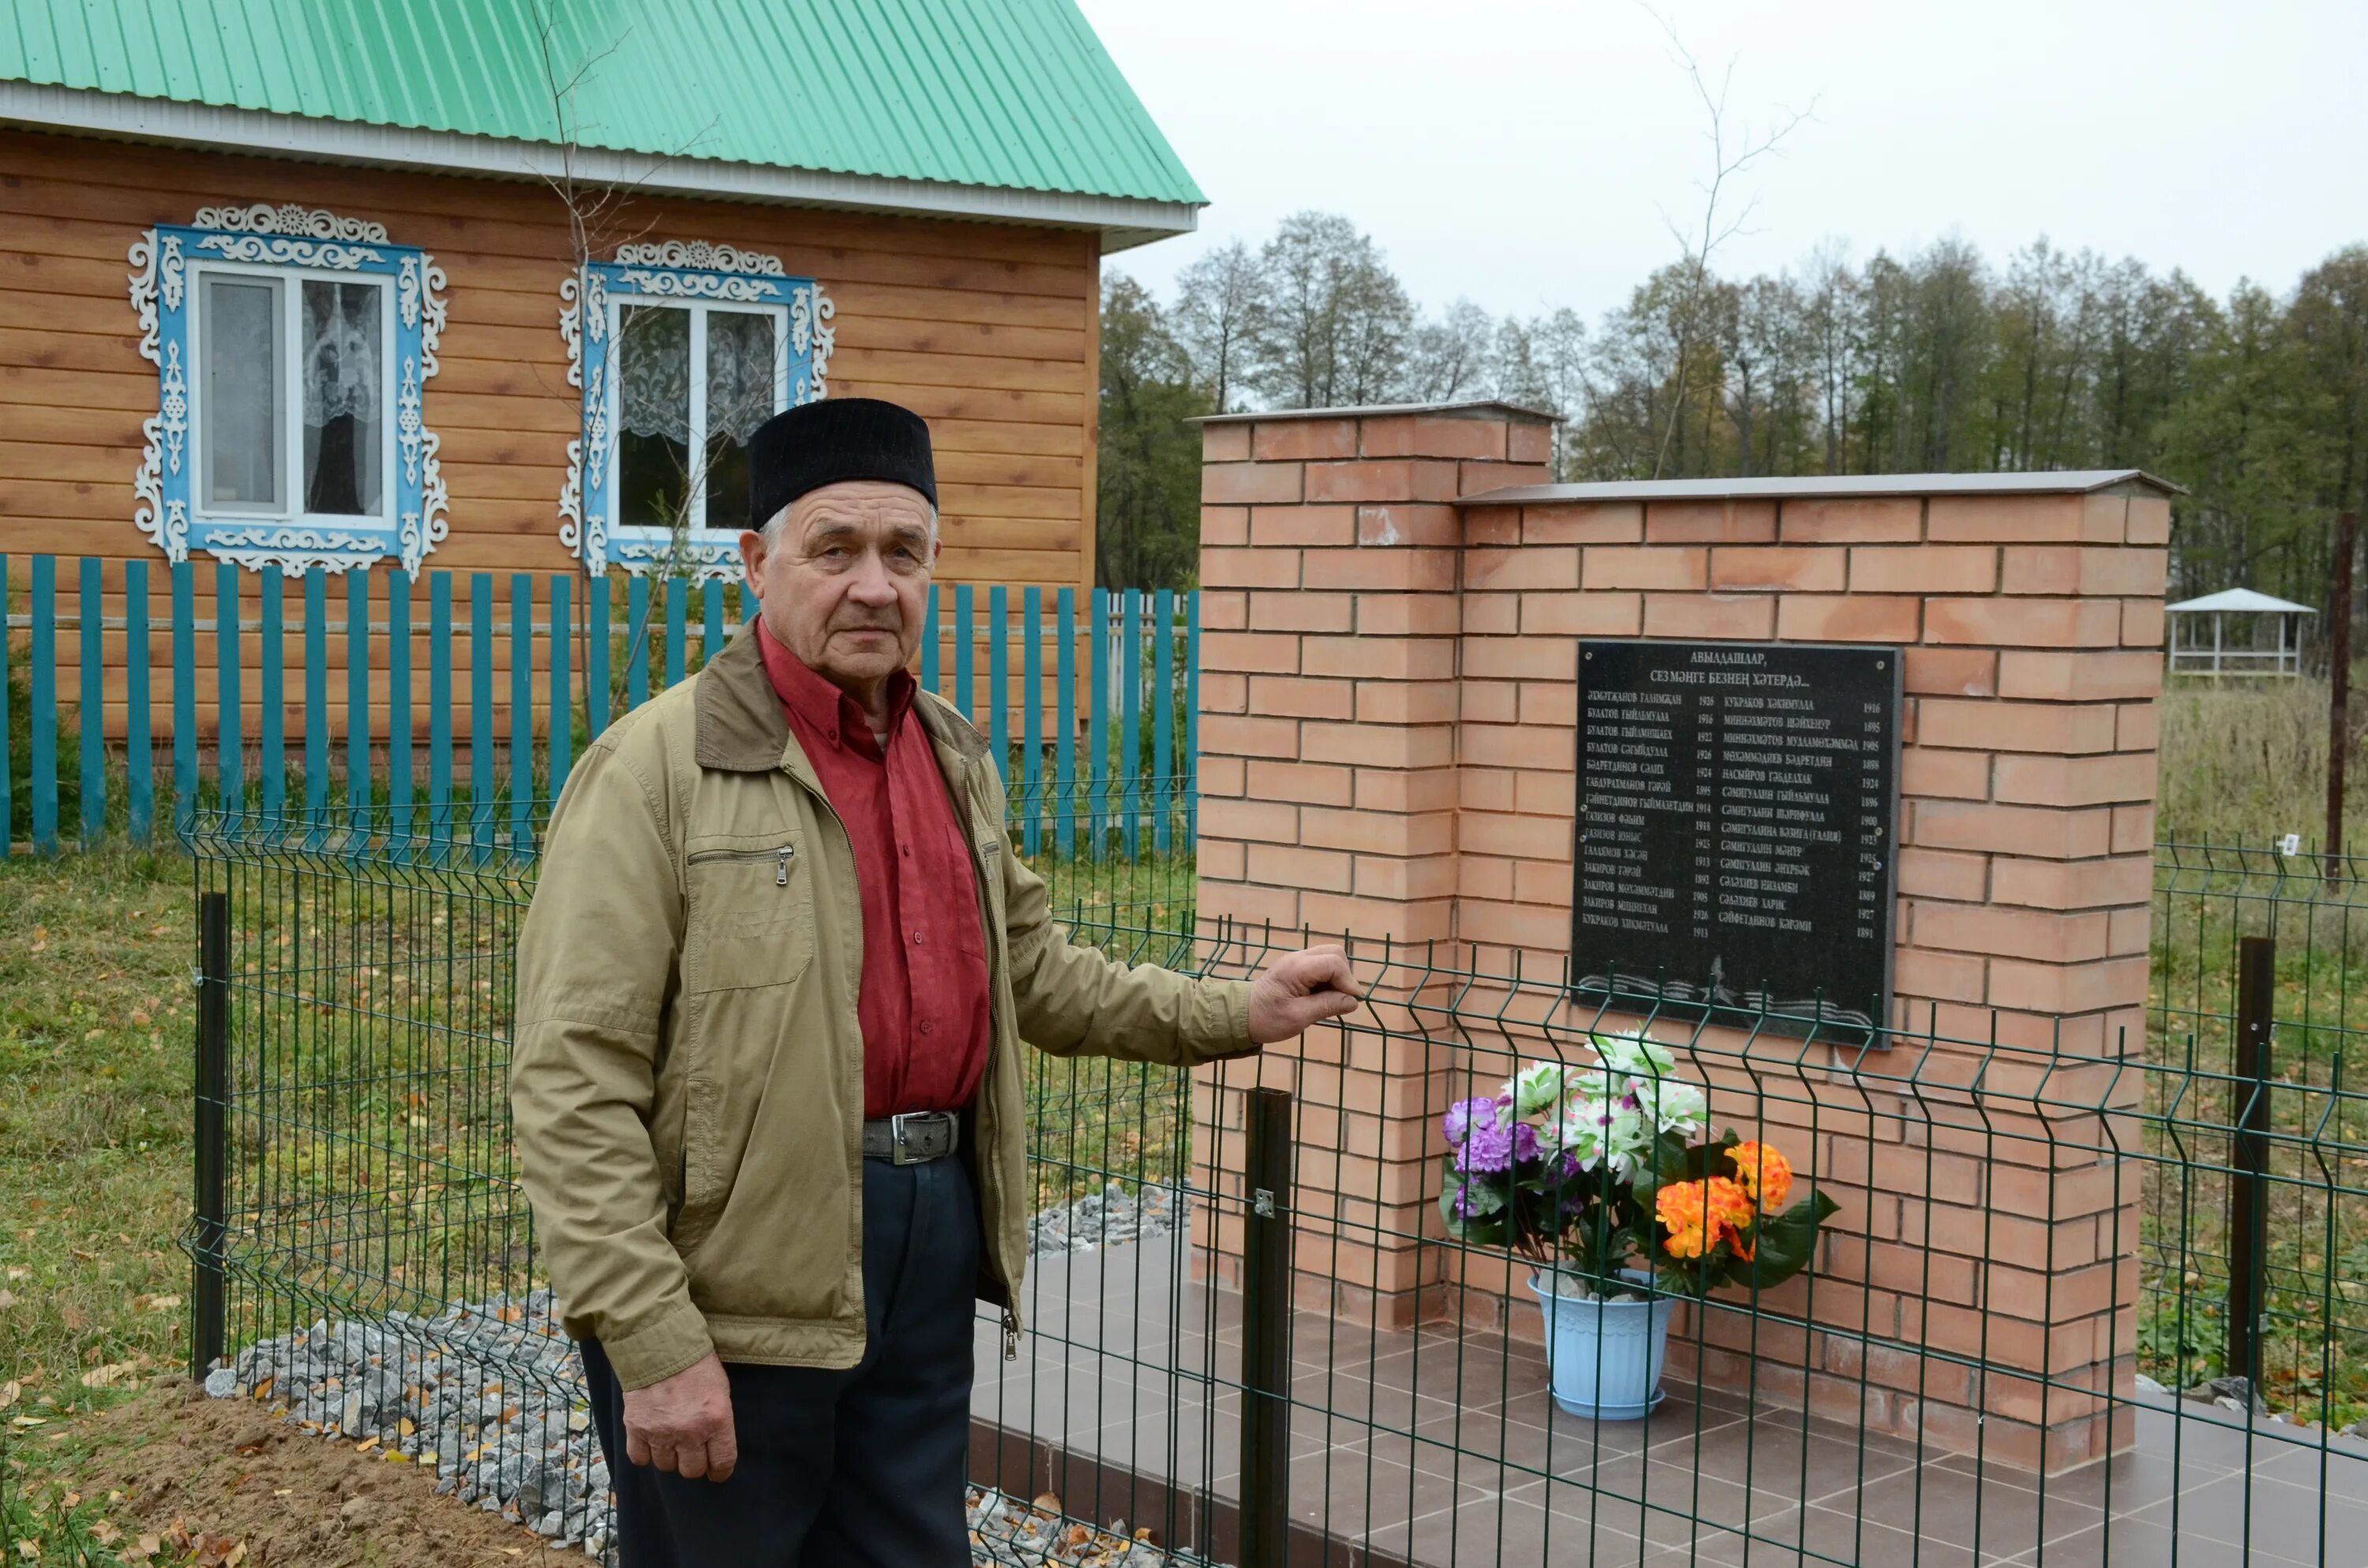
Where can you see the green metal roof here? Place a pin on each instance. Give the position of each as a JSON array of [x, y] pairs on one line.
[[1015, 95]]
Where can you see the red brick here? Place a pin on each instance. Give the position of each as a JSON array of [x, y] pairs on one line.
[[1957, 775], [1225, 443], [1520, 658], [1378, 832], [1526, 442], [1946, 977], [2112, 778], [1249, 903], [2079, 677], [1480, 478], [2009, 830], [1710, 522], [2008, 933], [1299, 697], [1302, 524], [2149, 521], [1296, 609], [1435, 436], [1428, 614], [1225, 525], [1489, 702], [1250, 652], [1221, 860], [1649, 566], [1250, 483], [1397, 789], [2104, 519], [1375, 745], [1846, 617], [1305, 781], [2075, 884], [1496, 615], [1224, 609], [1750, 616], [2133, 828], [2143, 623], [1249, 568], [1523, 566], [2067, 988], [1936, 873], [1395, 879], [1323, 871], [1489, 524], [1224, 693], [2046, 727], [2139, 727], [1409, 522], [1952, 672], [1890, 520], [1924, 569], [1363, 657], [1269, 822], [1591, 522], [1249, 735], [2004, 519], [1582, 615], [1222, 775], [2026, 623], [1408, 570], [1401, 479], [1296, 439], [2066, 568], [1404, 702], [1798, 569]]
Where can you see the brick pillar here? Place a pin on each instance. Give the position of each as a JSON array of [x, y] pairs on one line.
[[1390, 737], [1328, 711]]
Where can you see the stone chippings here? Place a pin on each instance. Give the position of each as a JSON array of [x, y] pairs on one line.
[[489, 1397], [1111, 1217]]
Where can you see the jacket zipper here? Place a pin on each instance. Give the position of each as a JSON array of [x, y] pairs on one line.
[[780, 858]]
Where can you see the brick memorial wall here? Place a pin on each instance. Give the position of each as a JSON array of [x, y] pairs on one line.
[[1393, 604]]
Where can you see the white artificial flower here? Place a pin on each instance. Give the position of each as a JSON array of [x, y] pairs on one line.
[[1538, 1087]]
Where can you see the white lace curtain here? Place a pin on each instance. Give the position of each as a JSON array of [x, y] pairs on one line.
[[653, 372], [341, 353]]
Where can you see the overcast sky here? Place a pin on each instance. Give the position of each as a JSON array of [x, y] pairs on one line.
[[1525, 152]]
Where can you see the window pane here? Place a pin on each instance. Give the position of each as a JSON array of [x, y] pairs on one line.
[[343, 365], [238, 351], [740, 396], [652, 351]]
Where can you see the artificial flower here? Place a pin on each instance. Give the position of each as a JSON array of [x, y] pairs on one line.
[[1698, 1214], [1766, 1174], [1538, 1087], [1463, 1115]]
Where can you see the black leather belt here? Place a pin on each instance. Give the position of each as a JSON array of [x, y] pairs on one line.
[[913, 1139]]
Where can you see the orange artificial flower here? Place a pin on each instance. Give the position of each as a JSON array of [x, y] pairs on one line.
[[1766, 1174], [1697, 1214]]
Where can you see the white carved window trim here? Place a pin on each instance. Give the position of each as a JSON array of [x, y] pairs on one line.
[[288, 243], [674, 272]]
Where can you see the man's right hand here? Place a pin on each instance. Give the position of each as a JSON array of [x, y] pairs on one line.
[[684, 1424]]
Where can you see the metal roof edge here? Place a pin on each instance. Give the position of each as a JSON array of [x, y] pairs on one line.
[[1464, 409], [1124, 221], [2068, 483]]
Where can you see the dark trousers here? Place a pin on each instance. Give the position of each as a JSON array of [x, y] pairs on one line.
[[856, 1469]]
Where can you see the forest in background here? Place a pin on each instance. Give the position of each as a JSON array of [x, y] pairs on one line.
[[1937, 361]]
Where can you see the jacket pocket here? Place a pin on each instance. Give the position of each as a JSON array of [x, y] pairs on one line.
[[748, 914]]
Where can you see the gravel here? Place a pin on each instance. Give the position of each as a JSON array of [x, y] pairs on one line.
[[489, 1398]]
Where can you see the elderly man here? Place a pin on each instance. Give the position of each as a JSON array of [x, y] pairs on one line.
[[771, 998]]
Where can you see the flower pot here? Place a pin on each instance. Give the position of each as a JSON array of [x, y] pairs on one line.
[[1604, 1358]]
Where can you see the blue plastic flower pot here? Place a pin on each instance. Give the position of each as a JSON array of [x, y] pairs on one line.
[[1604, 1358]]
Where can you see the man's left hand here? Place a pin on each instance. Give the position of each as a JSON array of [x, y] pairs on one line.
[[1299, 990]]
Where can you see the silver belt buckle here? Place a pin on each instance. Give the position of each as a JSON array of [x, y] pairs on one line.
[[896, 1140]]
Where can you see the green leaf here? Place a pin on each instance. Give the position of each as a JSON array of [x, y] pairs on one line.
[[1783, 1244], [1482, 1229]]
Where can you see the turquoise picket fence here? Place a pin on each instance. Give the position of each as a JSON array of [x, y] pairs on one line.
[[1089, 701]]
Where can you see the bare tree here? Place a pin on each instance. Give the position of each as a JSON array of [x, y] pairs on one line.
[[1733, 150], [1220, 312]]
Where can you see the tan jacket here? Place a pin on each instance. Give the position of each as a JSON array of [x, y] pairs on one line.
[[688, 1076]]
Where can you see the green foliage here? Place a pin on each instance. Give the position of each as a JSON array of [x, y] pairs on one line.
[[1147, 506]]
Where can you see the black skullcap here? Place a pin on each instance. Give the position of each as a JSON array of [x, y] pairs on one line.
[[822, 443]]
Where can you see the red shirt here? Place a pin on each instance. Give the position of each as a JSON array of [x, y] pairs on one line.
[[922, 1005]]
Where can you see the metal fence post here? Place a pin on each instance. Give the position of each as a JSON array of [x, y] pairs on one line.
[[1266, 1334], [210, 1199], [2248, 1156]]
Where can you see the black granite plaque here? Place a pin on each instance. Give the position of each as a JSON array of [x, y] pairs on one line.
[[1738, 806]]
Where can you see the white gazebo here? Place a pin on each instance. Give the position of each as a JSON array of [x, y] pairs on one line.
[[2245, 655]]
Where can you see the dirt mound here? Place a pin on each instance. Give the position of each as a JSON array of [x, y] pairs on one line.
[[228, 1472]]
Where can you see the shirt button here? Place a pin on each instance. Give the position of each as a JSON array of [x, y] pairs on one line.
[[834, 737], [916, 939], [924, 1026], [908, 851]]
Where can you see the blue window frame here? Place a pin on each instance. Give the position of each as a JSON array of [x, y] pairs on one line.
[[682, 350], [292, 351]]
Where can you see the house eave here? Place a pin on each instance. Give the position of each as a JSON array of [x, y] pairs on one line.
[[1123, 222]]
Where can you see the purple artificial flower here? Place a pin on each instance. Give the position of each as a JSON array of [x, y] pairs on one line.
[[1464, 1115], [1492, 1146]]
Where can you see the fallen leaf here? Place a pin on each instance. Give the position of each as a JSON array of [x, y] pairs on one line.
[[139, 1019], [105, 1533], [19, 1271], [8, 1392], [7, 1298], [30, 1548], [163, 1304]]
